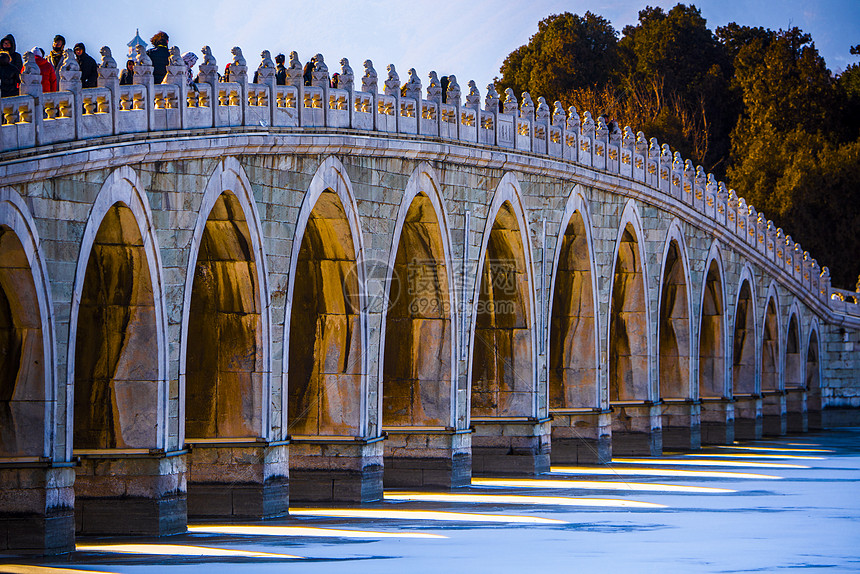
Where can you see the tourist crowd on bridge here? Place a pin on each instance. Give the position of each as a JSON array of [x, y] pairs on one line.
[[12, 66]]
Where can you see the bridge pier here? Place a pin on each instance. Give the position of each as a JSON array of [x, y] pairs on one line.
[[510, 445], [717, 418], [581, 436], [797, 419], [228, 478], [37, 501], [417, 457], [336, 469], [774, 420], [130, 492], [636, 429], [748, 417], [681, 424]]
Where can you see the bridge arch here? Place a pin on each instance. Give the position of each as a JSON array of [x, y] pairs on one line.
[[793, 363], [771, 335], [674, 327], [713, 334], [812, 372], [630, 356], [744, 346], [225, 309], [418, 342], [503, 363], [29, 395], [325, 331], [574, 342], [117, 388]]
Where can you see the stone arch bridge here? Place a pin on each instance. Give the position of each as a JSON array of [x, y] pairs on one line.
[[216, 300]]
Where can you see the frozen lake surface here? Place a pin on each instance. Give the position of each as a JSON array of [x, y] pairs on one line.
[[764, 506]]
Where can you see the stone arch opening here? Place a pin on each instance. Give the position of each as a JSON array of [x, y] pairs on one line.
[[325, 350], [502, 374], [22, 354], [770, 349], [418, 331], [743, 356], [224, 356], [793, 372], [573, 376], [711, 349], [116, 350], [813, 381], [674, 342], [628, 326]]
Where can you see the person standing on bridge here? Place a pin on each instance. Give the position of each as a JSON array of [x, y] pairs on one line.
[[49, 77], [9, 76], [7, 44], [58, 53], [160, 56], [126, 78], [89, 68], [280, 70]]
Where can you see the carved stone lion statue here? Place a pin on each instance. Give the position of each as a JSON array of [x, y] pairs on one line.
[[413, 85], [266, 60], [369, 80], [527, 108], [176, 57], [392, 83], [511, 105], [434, 88], [453, 91], [473, 98], [107, 58], [346, 79], [295, 63], [31, 67], [558, 114], [542, 112], [208, 58], [319, 64], [491, 100], [320, 73], [238, 58], [572, 119], [140, 57]]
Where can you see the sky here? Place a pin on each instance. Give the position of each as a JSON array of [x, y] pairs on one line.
[[467, 38]]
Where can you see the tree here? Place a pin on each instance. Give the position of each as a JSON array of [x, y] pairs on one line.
[[568, 52], [792, 157], [677, 49]]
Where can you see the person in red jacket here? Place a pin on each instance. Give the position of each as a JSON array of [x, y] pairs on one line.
[[49, 77]]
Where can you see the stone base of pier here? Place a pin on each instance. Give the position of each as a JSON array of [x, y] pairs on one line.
[[130, 492], [427, 457], [748, 417], [510, 445], [235, 479], [717, 419], [795, 406], [636, 429], [681, 424], [36, 508], [336, 469], [581, 436]]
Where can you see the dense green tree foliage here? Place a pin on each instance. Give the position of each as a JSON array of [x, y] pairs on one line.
[[755, 106], [568, 52]]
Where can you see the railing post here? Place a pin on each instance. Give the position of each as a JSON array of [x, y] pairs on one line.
[[239, 75], [208, 74], [109, 78], [31, 85], [143, 77], [177, 74], [70, 81]]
